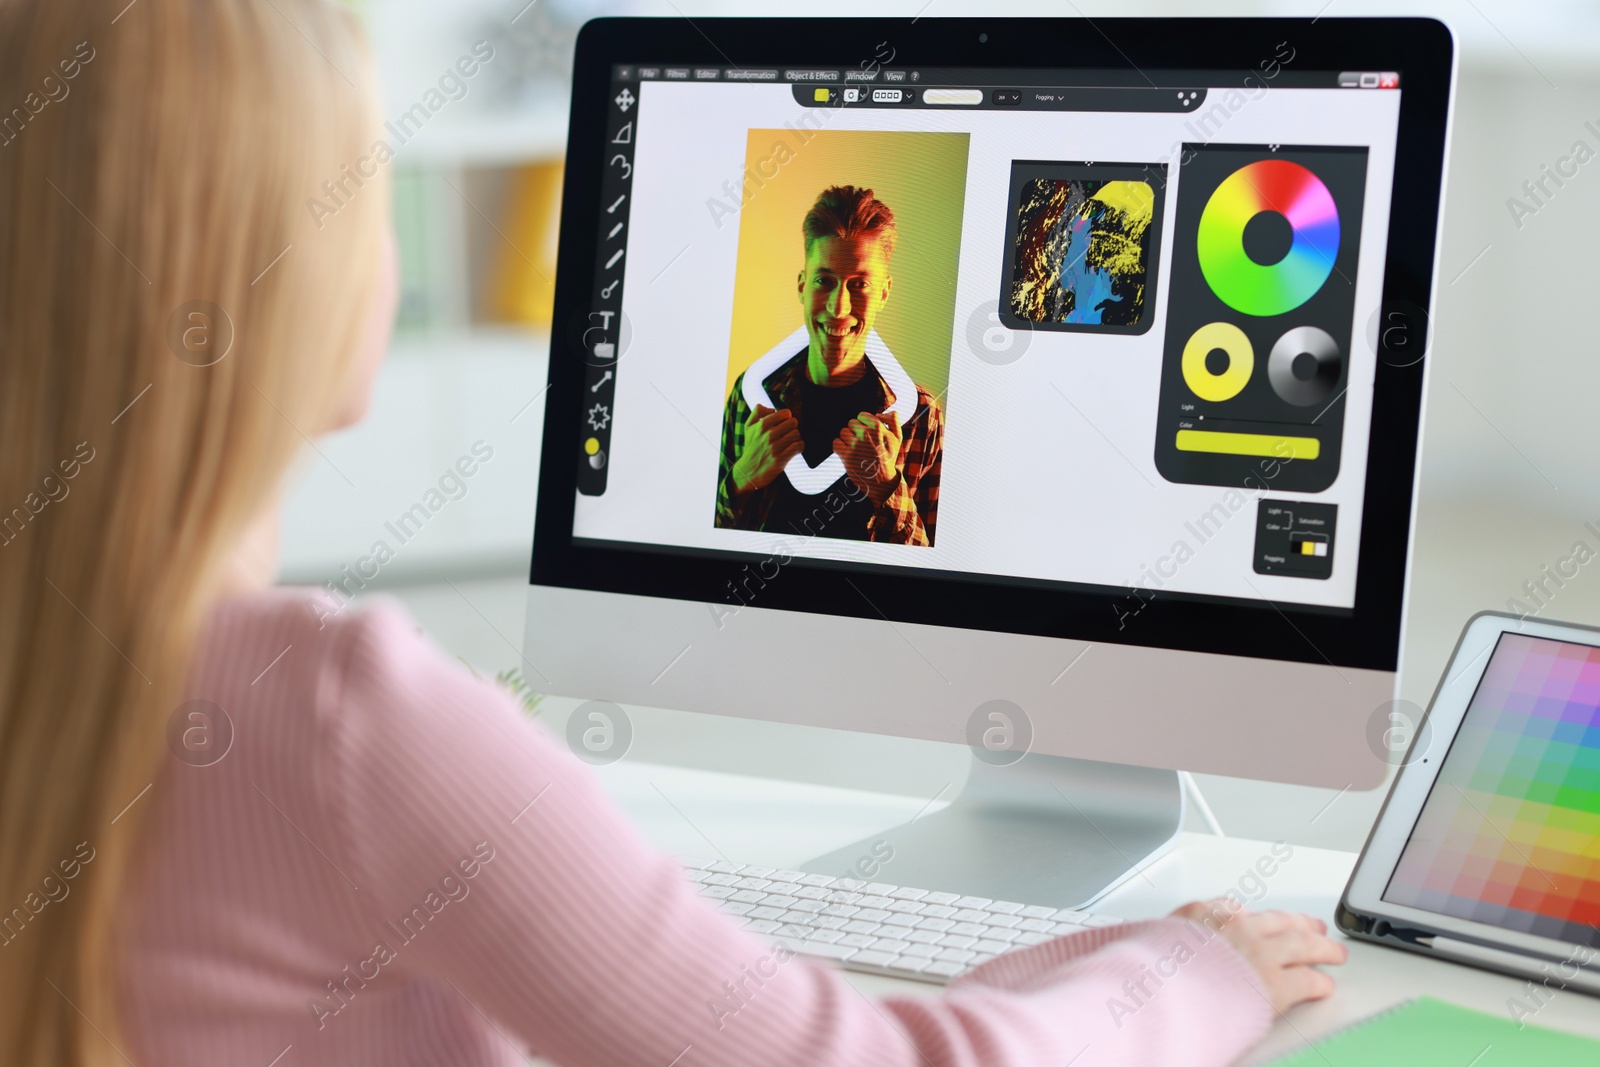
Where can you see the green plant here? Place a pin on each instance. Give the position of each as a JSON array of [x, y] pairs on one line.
[[512, 681], [530, 698]]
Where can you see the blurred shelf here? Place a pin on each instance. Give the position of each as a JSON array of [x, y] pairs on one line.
[[438, 396], [529, 134], [447, 345]]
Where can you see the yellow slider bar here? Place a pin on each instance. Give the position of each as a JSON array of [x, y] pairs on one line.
[[1249, 444]]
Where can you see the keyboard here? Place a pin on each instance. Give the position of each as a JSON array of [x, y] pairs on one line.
[[878, 928]]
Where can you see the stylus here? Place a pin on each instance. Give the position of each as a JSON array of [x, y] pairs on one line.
[[1579, 976]]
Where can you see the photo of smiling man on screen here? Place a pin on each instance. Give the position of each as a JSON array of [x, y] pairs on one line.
[[827, 435]]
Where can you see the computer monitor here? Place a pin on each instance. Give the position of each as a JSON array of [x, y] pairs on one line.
[[1047, 386]]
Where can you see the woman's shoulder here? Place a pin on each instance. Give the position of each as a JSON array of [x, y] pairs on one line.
[[302, 649]]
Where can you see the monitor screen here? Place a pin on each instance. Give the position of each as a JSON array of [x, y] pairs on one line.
[[1030, 327]]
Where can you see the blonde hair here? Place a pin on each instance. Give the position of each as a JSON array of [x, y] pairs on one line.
[[171, 165]]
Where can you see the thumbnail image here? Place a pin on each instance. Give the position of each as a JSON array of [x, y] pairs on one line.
[[843, 317], [1082, 241]]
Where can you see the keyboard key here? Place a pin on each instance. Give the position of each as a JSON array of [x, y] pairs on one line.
[[811, 892], [696, 863], [782, 875], [1032, 938], [756, 872], [904, 893], [944, 969], [876, 915], [903, 920], [858, 940], [924, 951], [836, 897], [972, 915], [697, 876], [955, 955], [746, 882], [849, 885], [828, 937], [1038, 926], [984, 946], [746, 896], [938, 911], [764, 926], [860, 927], [809, 906], [767, 912], [1004, 907], [975, 929], [906, 907], [1003, 920], [914, 964], [719, 892], [724, 867], [924, 937], [799, 918], [942, 898], [957, 941], [734, 907], [829, 922], [874, 900], [832, 952], [973, 902], [936, 925], [892, 945], [1037, 911], [839, 909], [871, 958], [720, 878], [816, 879], [779, 900], [880, 889], [1069, 915], [1001, 934], [1063, 929], [980, 959]]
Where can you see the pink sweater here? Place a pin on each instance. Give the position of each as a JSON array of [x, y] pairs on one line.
[[392, 866]]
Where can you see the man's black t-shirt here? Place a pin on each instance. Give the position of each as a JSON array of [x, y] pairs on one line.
[[823, 412]]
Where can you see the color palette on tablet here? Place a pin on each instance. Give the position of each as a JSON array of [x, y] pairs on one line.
[[1510, 832]]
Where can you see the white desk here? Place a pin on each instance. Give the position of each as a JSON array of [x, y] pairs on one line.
[[781, 824]]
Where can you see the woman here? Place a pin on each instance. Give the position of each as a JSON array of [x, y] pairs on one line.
[[377, 860]]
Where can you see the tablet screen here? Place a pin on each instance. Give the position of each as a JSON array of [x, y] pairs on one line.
[[1510, 832]]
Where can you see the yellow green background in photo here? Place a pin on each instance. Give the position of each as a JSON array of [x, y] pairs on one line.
[[923, 179]]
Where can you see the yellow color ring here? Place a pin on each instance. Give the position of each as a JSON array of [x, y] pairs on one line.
[[1241, 361], [1249, 444]]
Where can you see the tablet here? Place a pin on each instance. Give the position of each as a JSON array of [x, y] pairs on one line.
[[1487, 850]]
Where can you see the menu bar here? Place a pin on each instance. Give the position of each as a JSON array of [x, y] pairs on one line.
[[1278, 76]]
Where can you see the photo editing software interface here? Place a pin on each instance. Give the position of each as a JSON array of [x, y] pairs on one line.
[[1042, 326]]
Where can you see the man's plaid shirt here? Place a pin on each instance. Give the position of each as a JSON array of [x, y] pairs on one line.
[[907, 517]]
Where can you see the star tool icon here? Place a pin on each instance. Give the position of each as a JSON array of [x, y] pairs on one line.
[[599, 417]]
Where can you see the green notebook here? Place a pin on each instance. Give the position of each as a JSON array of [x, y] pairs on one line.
[[1427, 1031]]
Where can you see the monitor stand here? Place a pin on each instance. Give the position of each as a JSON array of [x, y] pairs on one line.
[[1045, 830]]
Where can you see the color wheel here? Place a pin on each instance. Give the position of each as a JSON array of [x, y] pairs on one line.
[[1299, 196]]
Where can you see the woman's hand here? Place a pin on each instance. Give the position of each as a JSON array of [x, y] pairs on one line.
[[1285, 948]]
